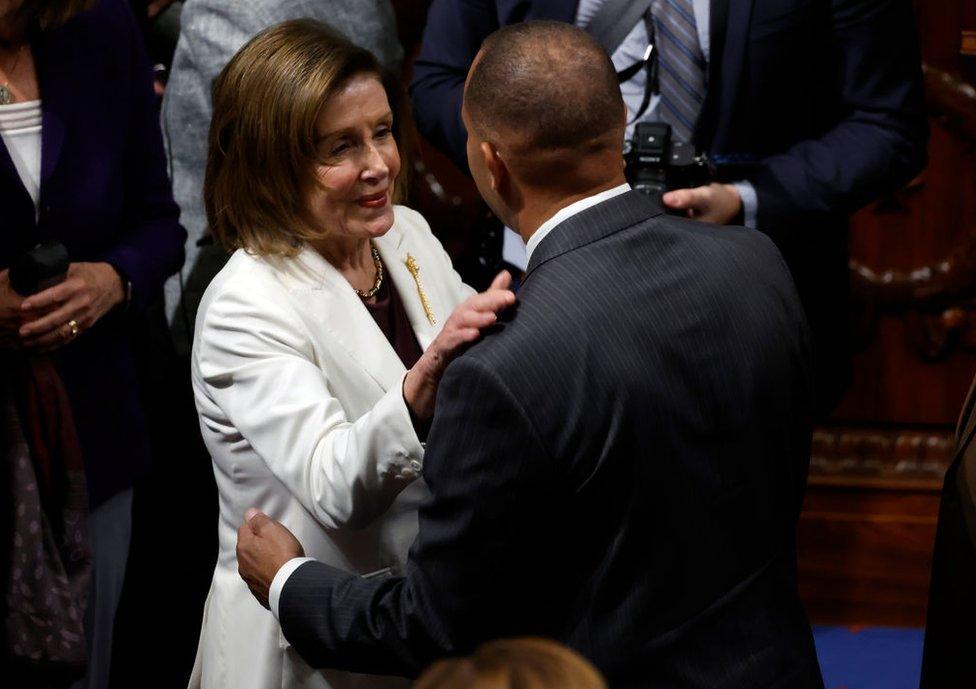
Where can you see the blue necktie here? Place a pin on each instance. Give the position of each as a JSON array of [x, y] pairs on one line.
[[681, 65]]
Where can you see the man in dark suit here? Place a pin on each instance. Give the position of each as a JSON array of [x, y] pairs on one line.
[[818, 102], [950, 634], [621, 465]]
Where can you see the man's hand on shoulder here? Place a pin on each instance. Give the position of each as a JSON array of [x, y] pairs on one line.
[[263, 547], [716, 203]]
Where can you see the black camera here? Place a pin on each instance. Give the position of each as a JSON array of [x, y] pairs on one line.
[[656, 164], [44, 266]]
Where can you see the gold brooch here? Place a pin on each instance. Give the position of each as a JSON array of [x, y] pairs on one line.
[[415, 271]]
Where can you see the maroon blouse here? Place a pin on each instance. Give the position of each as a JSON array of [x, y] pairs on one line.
[[391, 317]]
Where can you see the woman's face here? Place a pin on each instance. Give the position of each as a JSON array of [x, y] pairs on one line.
[[357, 162]]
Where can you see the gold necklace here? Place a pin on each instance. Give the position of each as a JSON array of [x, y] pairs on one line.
[[6, 95], [371, 292]]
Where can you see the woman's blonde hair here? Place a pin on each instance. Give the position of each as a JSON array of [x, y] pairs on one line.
[[526, 663], [262, 149]]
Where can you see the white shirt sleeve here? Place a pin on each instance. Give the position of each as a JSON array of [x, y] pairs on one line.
[[750, 203], [274, 593]]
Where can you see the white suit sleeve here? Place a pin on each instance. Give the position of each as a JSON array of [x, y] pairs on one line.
[[255, 361]]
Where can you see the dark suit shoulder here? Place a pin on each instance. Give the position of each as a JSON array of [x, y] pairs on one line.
[[728, 245], [660, 263]]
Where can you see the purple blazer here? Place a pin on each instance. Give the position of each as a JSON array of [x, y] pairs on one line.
[[106, 196]]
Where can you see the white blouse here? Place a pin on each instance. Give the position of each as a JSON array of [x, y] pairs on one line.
[[20, 128]]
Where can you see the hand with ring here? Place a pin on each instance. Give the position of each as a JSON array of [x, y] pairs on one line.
[[59, 314], [72, 330]]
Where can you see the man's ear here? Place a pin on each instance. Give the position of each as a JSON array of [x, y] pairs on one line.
[[497, 169]]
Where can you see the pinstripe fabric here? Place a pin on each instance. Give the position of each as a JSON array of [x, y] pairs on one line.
[[681, 65], [620, 466]]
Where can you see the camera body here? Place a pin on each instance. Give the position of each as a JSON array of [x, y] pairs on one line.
[[656, 164]]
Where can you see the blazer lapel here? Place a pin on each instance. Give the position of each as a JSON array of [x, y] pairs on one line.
[[718, 19], [593, 224], [335, 305], [733, 49], [11, 178], [56, 101], [19, 222], [15, 197], [395, 251]]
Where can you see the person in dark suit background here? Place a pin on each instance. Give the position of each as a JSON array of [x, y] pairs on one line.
[[620, 466], [824, 97], [81, 162], [950, 634]]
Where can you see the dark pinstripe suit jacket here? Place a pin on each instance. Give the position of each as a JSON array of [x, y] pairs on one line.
[[619, 467]]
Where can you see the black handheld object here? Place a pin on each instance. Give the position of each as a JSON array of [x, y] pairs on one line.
[[656, 164], [43, 266]]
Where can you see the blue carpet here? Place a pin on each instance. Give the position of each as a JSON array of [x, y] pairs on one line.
[[869, 657]]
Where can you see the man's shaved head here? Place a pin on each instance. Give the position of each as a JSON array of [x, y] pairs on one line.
[[543, 85]]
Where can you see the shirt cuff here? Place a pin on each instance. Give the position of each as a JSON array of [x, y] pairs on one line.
[[750, 203], [278, 583]]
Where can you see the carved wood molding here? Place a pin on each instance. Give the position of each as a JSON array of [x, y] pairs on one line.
[[952, 100], [880, 458], [931, 286], [938, 300]]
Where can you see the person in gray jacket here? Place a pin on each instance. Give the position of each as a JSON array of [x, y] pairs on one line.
[[211, 32]]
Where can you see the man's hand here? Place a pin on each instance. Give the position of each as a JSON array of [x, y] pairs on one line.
[[717, 203], [263, 547]]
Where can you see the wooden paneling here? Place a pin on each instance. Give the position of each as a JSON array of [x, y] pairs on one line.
[[866, 551], [867, 528]]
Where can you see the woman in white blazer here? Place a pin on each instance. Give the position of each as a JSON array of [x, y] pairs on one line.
[[319, 346]]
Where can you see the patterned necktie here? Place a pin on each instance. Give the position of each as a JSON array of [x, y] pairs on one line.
[[680, 65]]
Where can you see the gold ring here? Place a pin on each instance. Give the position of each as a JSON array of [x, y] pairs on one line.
[[73, 328]]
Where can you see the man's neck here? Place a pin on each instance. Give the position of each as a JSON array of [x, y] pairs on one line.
[[538, 208]]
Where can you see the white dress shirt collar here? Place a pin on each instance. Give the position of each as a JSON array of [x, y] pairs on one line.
[[568, 212]]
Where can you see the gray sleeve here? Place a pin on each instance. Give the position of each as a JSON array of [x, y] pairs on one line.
[[211, 31], [370, 24]]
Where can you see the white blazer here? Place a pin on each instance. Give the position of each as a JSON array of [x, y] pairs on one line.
[[300, 404]]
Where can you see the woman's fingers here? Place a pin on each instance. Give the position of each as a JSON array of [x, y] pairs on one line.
[[502, 281], [55, 319], [53, 296], [49, 340], [477, 319], [495, 300]]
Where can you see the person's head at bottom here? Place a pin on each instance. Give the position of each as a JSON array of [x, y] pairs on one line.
[[545, 121], [522, 663]]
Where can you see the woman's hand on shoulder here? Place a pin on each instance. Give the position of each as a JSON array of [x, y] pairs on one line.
[[57, 315], [461, 330]]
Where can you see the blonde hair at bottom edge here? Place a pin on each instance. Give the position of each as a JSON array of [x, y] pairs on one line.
[[522, 663]]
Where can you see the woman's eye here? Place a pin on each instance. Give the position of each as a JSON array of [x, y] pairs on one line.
[[383, 132], [339, 149]]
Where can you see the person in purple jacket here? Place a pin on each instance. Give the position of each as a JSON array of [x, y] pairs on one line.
[[82, 163]]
